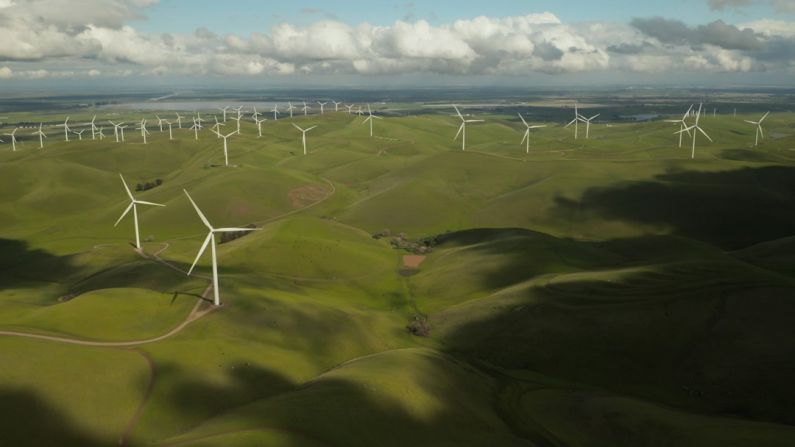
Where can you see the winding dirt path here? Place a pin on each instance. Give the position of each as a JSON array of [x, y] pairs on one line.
[[150, 386]]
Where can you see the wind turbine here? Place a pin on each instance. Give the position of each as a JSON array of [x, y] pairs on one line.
[[116, 128], [256, 114], [226, 152], [587, 122], [463, 128], [217, 126], [80, 134], [142, 128], [682, 124], [290, 109], [195, 128], [101, 133], [179, 120], [759, 130], [121, 129], [170, 133], [223, 109], [237, 118], [322, 104], [276, 112], [303, 135], [199, 120], [305, 109], [207, 241], [350, 109], [259, 126], [370, 119], [336, 105], [160, 122], [134, 207], [66, 128], [41, 135], [576, 121], [93, 125], [695, 127], [13, 139], [527, 132]]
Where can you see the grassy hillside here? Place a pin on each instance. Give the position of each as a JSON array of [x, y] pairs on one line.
[[601, 292]]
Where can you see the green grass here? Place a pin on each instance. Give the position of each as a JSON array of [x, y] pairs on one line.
[[603, 292]]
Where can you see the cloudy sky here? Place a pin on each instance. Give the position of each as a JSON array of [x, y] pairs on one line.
[[382, 42]]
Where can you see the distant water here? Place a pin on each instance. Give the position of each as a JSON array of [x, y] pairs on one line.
[[209, 105], [641, 116]]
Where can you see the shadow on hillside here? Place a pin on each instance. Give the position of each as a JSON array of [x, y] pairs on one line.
[[29, 421], [729, 209], [679, 323], [22, 266]]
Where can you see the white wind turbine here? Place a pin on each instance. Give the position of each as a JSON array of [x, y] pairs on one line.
[[66, 129], [93, 125], [160, 122], [290, 109], [695, 127], [305, 109], [587, 122], [179, 120], [370, 119], [170, 133], [195, 128], [237, 118], [223, 109], [199, 120], [575, 121], [13, 139], [759, 130], [682, 124], [350, 109], [259, 126], [79, 134], [322, 105], [226, 147], [217, 126], [527, 132], [101, 133], [303, 135], [116, 128], [41, 135], [463, 128], [276, 112], [134, 207], [255, 114], [336, 105], [210, 240], [142, 128], [121, 131]]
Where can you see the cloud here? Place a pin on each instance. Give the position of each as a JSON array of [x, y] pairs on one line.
[[101, 40], [779, 5]]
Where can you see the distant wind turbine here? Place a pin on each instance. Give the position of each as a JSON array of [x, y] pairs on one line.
[[223, 109], [259, 126], [306, 109], [587, 122], [195, 129], [116, 128], [66, 128], [463, 129], [322, 105], [682, 124], [303, 135], [370, 119], [226, 147], [142, 128], [93, 125], [210, 240], [134, 207], [527, 132], [336, 105], [79, 134], [179, 120], [290, 109], [41, 135], [160, 122], [759, 130], [276, 112], [695, 127], [350, 109], [237, 118], [13, 139]]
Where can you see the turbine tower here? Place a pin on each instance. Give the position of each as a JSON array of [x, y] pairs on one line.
[[13, 139], [276, 112], [66, 129], [93, 125], [527, 132], [195, 128], [290, 109], [759, 130], [305, 109], [682, 124], [160, 122], [463, 129], [179, 120], [370, 119], [226, 147], [259, 126], [210, 240], [303, 135], [41, 135], [695, 127], [134, 207], [142, 128]]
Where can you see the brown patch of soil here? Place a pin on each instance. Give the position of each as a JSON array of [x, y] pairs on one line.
[[412, 261], [305, 195]]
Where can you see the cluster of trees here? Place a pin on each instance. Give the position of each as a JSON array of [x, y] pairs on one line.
[[419, 326], [402, 242], [231, 236], [148, 185]]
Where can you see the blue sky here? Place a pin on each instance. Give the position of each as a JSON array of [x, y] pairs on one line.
[[246, 16]]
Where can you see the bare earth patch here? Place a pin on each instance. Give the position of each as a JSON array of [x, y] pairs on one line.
[[306, 195], [412, 261]]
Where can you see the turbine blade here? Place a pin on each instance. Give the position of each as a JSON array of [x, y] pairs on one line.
[[459, 131], [199, 212], [458, 112], [141, 202], [763, 118], [296, 126], [126, 188], [705, 134], [310, 128], [124, 214], [526, 136], [761, 131], [201, 251], [522, 118], [230, 230]]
